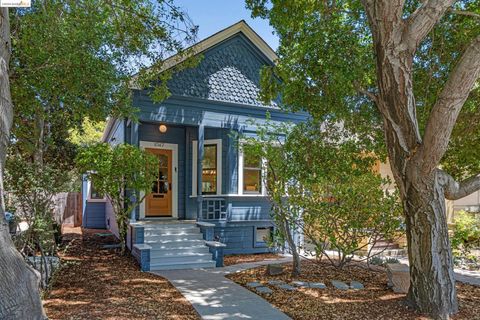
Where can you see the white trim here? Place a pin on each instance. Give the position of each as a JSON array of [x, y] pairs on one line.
[[89, 195], [218, 143], [174, 148], [263, 173]]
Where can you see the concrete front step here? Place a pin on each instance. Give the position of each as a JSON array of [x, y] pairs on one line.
[[184, 265], [174, 237], [174, 243], [201, 248], [170, 226], [176, 246], [163, 232], [194, 258]]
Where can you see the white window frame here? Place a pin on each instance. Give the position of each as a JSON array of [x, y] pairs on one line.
[[218, 143], [89, 193], [263, 173]]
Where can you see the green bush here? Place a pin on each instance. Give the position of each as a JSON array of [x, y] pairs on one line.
[[466, 234]]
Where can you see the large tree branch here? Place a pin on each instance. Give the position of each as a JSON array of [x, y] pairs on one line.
[[455, 190], [448, 105], [422, 21]]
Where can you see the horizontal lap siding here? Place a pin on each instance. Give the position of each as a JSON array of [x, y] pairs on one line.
[[174, 135], [94, 215], [240, 237]]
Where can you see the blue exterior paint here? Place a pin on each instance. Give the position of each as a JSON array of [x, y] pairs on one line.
[[228, 72], [93, 213], [217, 255], [221, 96]]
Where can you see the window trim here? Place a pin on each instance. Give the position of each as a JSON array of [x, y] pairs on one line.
[[89, 193], [218, 143], [241, 168], [262, 244]]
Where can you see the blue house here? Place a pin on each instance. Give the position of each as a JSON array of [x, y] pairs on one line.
[[209, 197]]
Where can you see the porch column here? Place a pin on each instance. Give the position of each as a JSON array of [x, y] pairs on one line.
[[200, 154], [133, 141]]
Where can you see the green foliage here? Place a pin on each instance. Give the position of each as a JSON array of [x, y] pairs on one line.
[[117, 171], [73, 60], [31, 194], [466, 234], [326, 66], [321, 182], [89, 133]]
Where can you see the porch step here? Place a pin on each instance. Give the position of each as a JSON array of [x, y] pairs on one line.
[[169, 226], [183, 265], [174, 242], [199, 248], [163, 232], [174, 237], [192, 258], [175, 245]]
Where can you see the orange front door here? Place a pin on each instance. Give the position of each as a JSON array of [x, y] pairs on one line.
[[159, 202]]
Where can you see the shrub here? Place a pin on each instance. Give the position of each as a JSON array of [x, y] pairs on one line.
[[466, 234]]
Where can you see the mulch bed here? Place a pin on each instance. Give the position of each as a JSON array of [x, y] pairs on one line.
[[95, 283], [376, 301], [244, 258]]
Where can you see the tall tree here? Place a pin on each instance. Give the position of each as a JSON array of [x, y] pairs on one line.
[[70, 60], [357, 62], [19, 297]]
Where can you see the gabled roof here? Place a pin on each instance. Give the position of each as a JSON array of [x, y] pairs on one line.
[[209, 42], [222, 35]]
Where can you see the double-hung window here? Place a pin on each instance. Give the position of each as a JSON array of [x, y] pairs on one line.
[[211, 167], [251, 173]]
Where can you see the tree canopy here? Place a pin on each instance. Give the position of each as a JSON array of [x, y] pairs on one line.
[[327, 67], [75, 59]]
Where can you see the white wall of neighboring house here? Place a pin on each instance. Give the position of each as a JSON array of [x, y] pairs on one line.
[[470, 203]]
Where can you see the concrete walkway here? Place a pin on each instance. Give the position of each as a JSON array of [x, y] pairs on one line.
[[216, 297], [465, 276]]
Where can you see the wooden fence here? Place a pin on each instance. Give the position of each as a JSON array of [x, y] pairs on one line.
[[68, 208]]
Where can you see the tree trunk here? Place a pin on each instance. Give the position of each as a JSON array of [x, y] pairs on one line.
[[296, 267], [19, 294], [432, 283]]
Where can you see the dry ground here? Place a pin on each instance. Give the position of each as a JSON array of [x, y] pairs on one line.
[[232, 259], [376, 301], [96, 283]]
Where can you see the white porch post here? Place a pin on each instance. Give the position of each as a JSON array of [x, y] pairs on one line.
[[200, 154], [133, 141]]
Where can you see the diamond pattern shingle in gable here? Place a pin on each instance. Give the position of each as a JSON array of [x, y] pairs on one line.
[[228, 73]]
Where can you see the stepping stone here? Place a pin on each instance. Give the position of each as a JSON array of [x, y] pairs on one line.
[[264, 290], [286, 287], [275, 282], [317, 285], [340, 285], [301, 284], [254, 284], [356, 285]]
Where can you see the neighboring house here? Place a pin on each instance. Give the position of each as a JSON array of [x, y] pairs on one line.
[[470, 203], [203, 174]]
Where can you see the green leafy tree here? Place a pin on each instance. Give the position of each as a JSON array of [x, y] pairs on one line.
[[72, 60], [400, 74], [321, 183], [90, 133], [114, 171]]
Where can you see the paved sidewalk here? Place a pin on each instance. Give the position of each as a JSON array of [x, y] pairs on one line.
[[217, 298], [465, 276]]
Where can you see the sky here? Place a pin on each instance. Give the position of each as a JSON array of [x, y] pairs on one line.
[[214, 15]]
